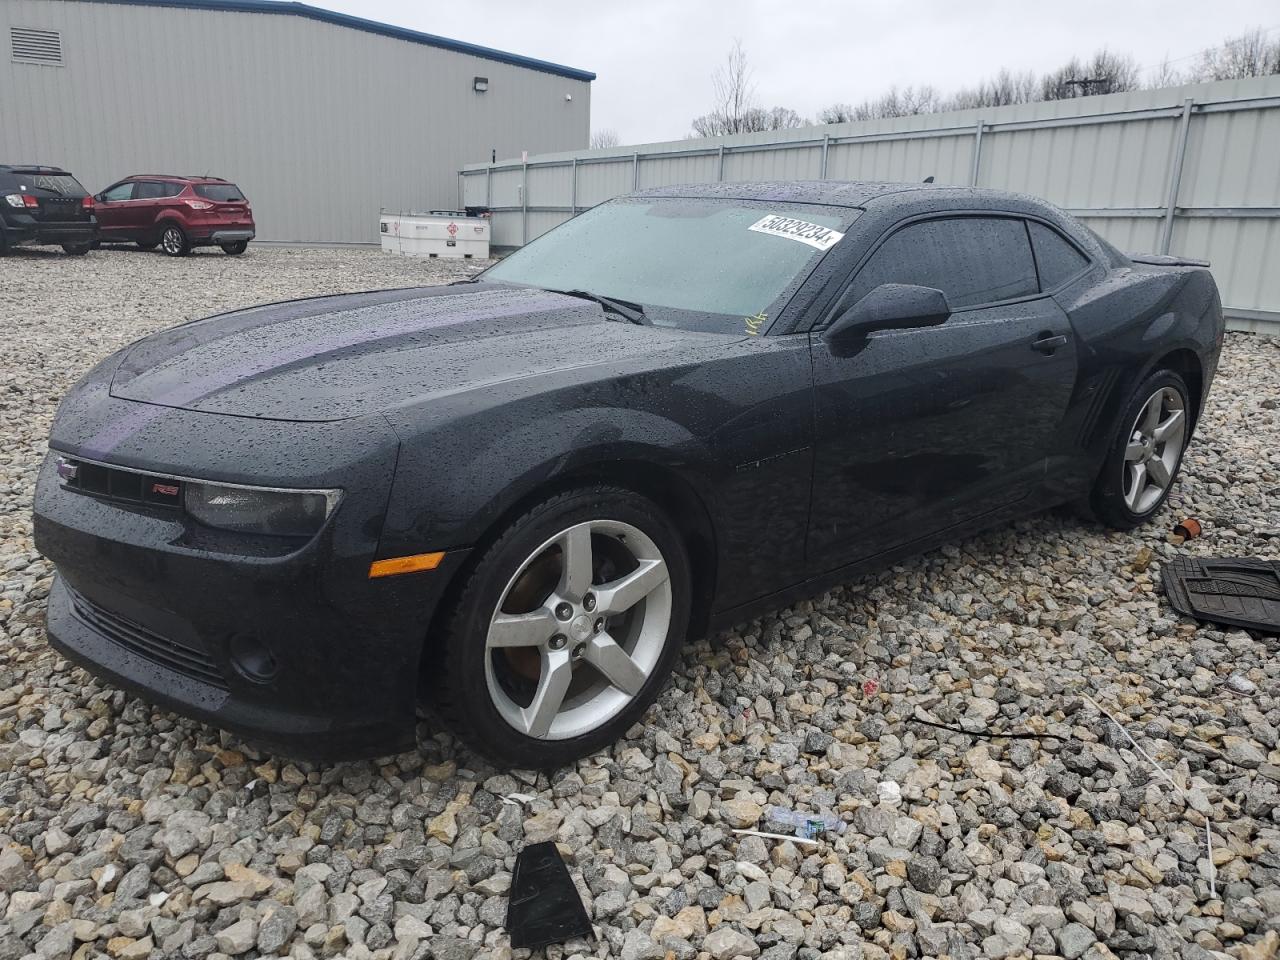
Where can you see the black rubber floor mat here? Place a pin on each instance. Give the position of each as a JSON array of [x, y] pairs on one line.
[[1242, 592], [544, 906]]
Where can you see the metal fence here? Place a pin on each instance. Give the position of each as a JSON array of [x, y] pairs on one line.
[[1190, 170]]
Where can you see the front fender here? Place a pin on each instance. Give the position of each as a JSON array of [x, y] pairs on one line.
[[452, 486]]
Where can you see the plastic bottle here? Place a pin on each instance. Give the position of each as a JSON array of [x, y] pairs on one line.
[[806, 825]]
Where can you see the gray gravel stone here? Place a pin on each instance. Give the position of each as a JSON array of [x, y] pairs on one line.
[[952, 844]]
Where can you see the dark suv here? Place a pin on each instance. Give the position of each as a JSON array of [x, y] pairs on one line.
[[45, 205], [176, 213]]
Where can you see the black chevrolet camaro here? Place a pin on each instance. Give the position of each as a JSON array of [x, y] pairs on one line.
[[510, 500]]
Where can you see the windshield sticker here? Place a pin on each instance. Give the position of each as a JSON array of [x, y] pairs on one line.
[[814, 234], [753, 323]]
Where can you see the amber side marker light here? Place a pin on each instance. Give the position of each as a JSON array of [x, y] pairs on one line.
[[413, 564]]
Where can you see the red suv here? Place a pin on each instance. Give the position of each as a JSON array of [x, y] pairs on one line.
[[177, 213]]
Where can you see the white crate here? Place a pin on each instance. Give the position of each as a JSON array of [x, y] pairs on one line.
[[435, 235]]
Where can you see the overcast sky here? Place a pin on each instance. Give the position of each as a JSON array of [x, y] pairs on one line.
[[655, 58]]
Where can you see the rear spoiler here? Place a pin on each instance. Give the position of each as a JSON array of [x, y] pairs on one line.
[[1164, 260]]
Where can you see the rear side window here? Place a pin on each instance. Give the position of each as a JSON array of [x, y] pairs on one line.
[[1057, 259], [220, 192], [152, 190], [973, 260]]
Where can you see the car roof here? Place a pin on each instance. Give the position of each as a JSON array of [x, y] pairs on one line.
[[174, 176], [33, 168], [838, 193]]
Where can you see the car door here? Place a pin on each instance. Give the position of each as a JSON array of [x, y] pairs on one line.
[[113, 208], [926, 428], [148, 200]]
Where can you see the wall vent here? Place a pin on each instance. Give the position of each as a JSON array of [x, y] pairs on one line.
[[30, 45]]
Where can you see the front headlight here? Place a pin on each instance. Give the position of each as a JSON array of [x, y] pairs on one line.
[[285, 513]]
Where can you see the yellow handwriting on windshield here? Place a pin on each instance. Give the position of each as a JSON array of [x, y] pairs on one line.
[[754, 323]]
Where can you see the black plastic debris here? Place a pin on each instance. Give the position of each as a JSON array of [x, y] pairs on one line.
[[544, 906], [1240, 592]]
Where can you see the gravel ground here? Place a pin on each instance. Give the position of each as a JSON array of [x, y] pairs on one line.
[[130, 832]]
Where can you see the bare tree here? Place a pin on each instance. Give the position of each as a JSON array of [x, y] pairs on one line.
[[1104, 72], [733, 96], [1165, 74], [735, 109], [836, 113], [896, 103], [1248, 55], [608, 137], [1004, 88]]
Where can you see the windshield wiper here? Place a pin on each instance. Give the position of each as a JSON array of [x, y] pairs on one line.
[[633, 312]]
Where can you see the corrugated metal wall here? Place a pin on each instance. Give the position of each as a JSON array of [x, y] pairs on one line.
[[321, 125], [1190, 170]]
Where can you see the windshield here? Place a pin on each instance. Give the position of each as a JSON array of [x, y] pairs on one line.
[[220, 192], [701, 264]]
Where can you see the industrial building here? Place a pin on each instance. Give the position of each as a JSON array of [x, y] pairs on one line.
[[322, 119]]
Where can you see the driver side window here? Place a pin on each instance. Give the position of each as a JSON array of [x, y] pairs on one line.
[[973, 260], [121, 191]]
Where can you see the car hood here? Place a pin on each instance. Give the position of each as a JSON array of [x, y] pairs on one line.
[[332, 358]]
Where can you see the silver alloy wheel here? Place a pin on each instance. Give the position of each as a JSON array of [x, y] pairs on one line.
[[172, 241], [596, 644], [1154, 449]]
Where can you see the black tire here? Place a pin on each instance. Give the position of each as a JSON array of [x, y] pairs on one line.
[[76, 249], [1107, 502], [147, 244], [173, 241], [236, 248], [454, 666]]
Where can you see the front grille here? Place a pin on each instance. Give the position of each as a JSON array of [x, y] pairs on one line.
[[146, 643], [124, 485]]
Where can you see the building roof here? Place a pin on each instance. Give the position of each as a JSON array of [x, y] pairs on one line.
[[368, 26]]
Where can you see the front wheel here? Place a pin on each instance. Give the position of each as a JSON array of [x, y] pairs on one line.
[[565, 630], [173, 241], [235, 248], [1145, 455]]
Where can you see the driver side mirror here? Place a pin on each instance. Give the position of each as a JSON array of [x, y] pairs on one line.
[[890, 306]]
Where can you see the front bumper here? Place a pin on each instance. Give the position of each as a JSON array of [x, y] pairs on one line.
[[152, 601]]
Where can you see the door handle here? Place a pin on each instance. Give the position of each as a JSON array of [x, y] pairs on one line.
[[1048, 342]]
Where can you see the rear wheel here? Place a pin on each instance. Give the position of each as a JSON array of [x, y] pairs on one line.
[[1146, 454], [235, 248], [76, 249], [173, 241], [566, 629]]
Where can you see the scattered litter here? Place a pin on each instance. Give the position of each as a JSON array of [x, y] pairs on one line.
[[1208, 823], [1241, 685], [544, 905], [806, 825], [890, 793], [779, 836], [1187, 529], [518, 799], [1240, 592], [870, 687]]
